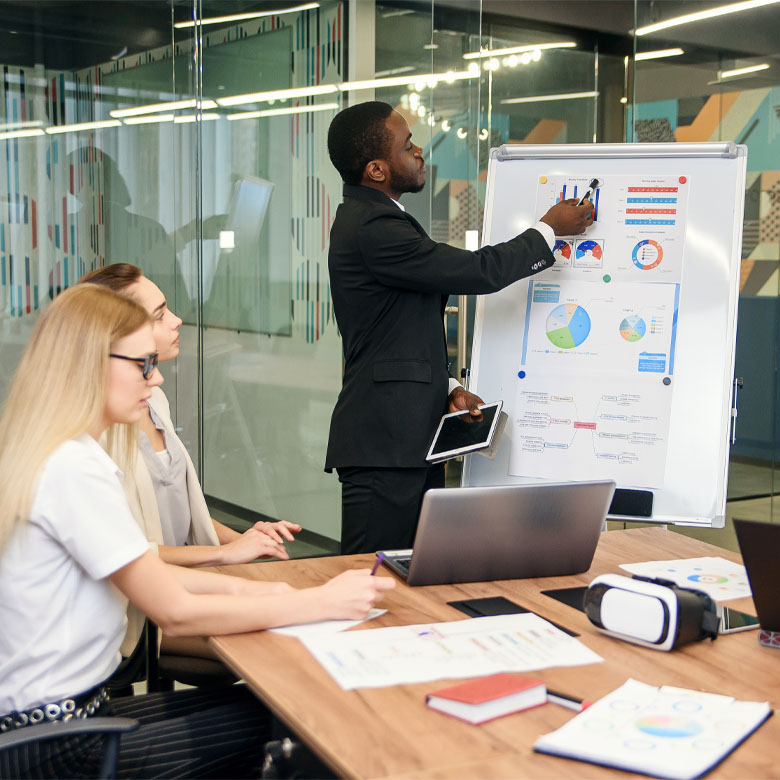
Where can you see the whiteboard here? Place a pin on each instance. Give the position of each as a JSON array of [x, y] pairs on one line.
[[618, 361]]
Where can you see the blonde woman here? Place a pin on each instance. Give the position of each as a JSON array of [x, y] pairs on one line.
[[160, 479], [71, 555]]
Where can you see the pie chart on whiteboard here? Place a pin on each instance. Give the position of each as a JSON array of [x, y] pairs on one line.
[[568, 325]]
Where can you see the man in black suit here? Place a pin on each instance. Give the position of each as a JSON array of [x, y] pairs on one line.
[[390, 283]]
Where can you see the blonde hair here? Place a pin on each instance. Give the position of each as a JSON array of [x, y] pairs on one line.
[[59, 389]]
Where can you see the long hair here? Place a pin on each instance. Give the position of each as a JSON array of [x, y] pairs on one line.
[[59, 389], [119, 440]]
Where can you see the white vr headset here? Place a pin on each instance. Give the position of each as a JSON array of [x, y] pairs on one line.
[[652, 613]]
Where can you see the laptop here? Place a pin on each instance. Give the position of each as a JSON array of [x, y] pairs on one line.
[[504, 532], [759, 544]]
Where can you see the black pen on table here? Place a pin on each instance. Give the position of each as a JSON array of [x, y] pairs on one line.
[[570, 702], [377, 564]]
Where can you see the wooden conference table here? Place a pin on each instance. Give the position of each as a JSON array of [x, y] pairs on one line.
[[389, 732]]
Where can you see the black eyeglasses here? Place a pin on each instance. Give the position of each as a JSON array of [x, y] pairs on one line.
[[147, 364]]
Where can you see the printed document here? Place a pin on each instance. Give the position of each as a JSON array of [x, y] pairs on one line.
[[434, 651], [720, 579], [664, 732]]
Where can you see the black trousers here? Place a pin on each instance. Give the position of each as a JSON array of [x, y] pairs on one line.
[[380, 507], [201, 732]]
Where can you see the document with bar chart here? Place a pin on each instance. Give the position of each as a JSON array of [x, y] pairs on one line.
[[595, 373], [638, 229]]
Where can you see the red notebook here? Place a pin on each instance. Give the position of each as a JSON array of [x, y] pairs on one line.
[[486, 698]]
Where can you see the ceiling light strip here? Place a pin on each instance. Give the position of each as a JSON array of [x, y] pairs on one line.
[[186, 118], [245, 16], [698, 16], [727, 74], [153, 108], [148, 120], [20, 125], [656, 55], [420, 80], [282, 111], [278, 94], [57, 129], [28, 133], [561, 96], [483, 53]]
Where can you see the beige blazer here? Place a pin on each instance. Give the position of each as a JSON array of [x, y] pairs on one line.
[[143, 504]]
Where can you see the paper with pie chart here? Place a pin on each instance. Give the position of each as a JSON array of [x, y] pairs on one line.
[[591, 326], [720, 579], [664, 732], [638, 231]]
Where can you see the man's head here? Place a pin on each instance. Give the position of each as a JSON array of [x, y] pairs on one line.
[[370, 144]]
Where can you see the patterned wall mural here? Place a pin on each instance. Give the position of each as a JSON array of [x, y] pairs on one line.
[[749, 117]]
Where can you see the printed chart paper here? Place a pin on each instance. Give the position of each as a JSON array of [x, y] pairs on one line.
[[720, 579], [595, 378], [590, 428], [664, 732], [638, 230], [464, 648]]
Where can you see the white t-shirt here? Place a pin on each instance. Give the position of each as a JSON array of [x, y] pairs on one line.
[[61, 620]]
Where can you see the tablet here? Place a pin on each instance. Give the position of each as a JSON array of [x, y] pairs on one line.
[[459, 433]]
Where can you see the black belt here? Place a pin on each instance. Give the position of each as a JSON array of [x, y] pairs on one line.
[[82, 706]]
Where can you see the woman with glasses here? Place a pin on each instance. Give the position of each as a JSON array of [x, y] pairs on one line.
[[71, 554], [161, 482]]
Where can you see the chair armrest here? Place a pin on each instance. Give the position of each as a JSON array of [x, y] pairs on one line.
[[43, 731]]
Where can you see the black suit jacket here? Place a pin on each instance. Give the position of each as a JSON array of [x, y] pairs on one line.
[[390, 283]]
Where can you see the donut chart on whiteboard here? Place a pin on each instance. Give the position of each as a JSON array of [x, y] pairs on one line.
[[647, 254], [562, 252]]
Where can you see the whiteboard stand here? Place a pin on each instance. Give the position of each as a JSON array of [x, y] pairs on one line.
[[689, 482]]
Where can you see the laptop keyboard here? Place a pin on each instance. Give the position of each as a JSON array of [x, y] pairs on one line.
[[403, 563]]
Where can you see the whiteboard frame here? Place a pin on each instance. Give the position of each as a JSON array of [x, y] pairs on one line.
[[673, 503]]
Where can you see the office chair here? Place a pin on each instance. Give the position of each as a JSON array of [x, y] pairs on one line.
[[164, 669], [113, 728]]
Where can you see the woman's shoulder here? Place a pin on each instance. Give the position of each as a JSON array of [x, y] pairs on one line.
[[73, 454], [76, 465]]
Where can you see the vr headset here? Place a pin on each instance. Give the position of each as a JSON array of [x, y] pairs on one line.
[[652, 613]]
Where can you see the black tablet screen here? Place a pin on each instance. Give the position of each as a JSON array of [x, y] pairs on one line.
[[464, 431]]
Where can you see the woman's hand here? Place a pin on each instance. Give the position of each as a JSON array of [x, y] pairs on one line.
[[252, 544], [279, 531], [351, 594]]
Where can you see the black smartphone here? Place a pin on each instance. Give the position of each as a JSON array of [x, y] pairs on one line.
[[498, 605], [732, 620], [572, 597]]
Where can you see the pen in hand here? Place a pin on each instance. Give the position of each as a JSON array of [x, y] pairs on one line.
[[378, 563]]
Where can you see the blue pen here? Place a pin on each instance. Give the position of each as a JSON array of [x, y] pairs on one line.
[[379, 559]]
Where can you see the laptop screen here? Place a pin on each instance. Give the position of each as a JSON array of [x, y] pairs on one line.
[[759, 544]]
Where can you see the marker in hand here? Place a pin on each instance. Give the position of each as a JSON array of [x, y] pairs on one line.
[[594, 184], [378, 563]]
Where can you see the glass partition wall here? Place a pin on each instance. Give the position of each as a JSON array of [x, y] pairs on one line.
[[188, 137], [83, 183], [695, 79]]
